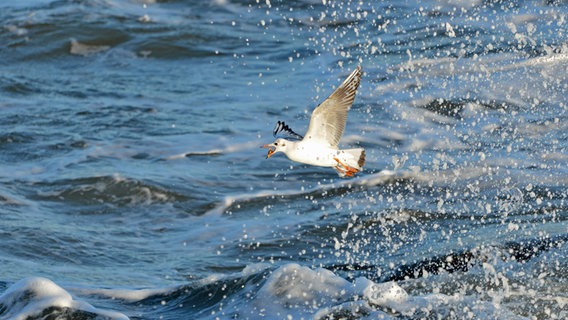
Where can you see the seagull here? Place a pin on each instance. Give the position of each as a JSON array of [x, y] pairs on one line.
[[318, 147]]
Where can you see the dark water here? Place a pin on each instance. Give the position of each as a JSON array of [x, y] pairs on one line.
[[132, 184]]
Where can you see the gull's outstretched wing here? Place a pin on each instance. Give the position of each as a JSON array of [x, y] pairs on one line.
[[328, 119]]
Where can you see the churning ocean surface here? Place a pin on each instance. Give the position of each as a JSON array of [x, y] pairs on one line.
[[132, 184]]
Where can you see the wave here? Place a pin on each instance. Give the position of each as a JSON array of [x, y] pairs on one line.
[[106, 190], [323, 293], [463, 261], [229, 203], [335, 291], [473, 182], [145, 30], [232, 148], [40, 298]]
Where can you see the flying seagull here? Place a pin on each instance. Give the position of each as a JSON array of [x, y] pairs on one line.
[[318, 147]]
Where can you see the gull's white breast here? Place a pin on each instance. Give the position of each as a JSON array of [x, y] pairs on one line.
[[313, 153]]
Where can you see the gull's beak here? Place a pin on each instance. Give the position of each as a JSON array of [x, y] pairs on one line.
[[270, 150]]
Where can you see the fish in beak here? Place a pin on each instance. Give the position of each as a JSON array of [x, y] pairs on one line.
[[271, 150]]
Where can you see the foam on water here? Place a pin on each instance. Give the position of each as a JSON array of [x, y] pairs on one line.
[[297, 292], [489, 288], [293, 292], [40, 298]]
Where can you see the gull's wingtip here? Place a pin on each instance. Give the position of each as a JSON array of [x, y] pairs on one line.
[[358, 71], [351, 83], [356, 74], [282, 127]]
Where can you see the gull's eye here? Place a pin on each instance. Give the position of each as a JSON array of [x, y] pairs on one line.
[[275, 143]]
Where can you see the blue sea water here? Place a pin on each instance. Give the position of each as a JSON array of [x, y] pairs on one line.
[[132, 184]]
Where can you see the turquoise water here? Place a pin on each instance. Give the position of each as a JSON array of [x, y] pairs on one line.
[[132, 184]]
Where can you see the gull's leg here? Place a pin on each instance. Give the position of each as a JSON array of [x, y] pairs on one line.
[[345, 169], [341, 171]]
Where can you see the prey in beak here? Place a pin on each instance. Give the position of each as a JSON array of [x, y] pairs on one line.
[[271, 150]]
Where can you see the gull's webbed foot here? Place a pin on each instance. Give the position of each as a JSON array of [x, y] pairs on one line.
[[345, 170]]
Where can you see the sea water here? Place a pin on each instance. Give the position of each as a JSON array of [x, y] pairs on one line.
[[132, 184]]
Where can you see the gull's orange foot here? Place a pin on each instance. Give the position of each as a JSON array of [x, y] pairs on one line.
[[345, 169]]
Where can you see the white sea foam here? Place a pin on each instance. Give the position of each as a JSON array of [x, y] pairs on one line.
[[31, 297], [130, 295], [298, 292]]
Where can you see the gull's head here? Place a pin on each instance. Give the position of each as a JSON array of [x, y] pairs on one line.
[[277, 146]]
